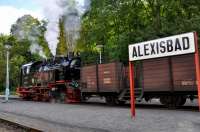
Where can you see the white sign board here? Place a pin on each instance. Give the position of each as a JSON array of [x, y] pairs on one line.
[[169, 46]]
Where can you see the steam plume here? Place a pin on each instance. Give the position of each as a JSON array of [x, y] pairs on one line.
[[72, 11], [22, 30]]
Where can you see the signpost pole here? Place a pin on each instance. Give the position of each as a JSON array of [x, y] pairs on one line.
[[132, 92], [197, 67]]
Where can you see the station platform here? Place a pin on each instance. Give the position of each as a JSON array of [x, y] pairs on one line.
[[98, 117]]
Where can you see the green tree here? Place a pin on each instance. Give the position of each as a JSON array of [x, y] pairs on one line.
[[18, 55], [3, 39], [33, 30], [117, 23], [62, 41]]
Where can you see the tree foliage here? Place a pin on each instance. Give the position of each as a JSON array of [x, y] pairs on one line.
[[19, 55], [118, 23], [33, 30], [26, 32], [62, 40]]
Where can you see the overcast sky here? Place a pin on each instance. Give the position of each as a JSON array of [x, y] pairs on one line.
[[11, 10]]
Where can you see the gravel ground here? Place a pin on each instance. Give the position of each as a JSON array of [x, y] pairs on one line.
[[99, 117]]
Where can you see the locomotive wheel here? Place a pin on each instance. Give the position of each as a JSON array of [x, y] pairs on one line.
[[26, 98], [45, 99], [66, 100], [36, 98], [52, 100], [111, 100]]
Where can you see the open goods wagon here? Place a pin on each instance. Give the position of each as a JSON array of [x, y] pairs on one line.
[[106, 80], [170, 79]]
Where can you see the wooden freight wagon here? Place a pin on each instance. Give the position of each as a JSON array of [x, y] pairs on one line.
[[172, 79], [106, 80]]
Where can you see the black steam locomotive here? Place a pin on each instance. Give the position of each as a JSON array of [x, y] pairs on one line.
[[51, 79]]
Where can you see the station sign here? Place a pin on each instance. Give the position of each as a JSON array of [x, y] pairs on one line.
[[168, 46]]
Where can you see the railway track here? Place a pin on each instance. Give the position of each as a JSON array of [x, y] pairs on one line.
[[147, 105], [11, 126], [144, 105], [162, 107]]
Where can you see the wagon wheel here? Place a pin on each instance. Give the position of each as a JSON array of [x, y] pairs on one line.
[[111, 100], [179, 100], [183, 101], [172, 101], [84, 98], [166, 100], [121, 102]]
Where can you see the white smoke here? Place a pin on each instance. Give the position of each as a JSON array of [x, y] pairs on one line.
[[72, 10], [21, 30], [35, 48]]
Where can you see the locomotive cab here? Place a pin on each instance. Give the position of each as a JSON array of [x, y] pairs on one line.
[[25, 71], [75, 66]]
